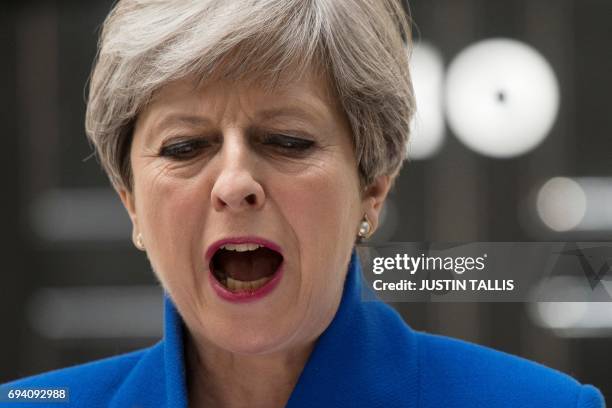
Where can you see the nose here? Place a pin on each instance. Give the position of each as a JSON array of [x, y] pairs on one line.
[[236, 188]]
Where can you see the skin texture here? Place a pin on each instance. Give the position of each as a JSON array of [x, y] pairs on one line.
[[233, 177]]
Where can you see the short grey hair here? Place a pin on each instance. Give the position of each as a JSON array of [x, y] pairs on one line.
[[361, 46]]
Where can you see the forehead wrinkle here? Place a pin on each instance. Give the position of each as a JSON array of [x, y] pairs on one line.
[[307, 101], [173, 120], [307, 98]]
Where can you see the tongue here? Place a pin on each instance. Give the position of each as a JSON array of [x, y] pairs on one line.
[[248, 265]]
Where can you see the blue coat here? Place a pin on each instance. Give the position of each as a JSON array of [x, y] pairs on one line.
[[367, 357]]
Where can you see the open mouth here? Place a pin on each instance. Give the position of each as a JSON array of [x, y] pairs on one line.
[[244, 267]]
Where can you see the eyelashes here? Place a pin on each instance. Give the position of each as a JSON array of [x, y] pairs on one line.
[[287, 142], [278, 143], [184, 150]]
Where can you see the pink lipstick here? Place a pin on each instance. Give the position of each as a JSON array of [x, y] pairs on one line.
[[244, 269]]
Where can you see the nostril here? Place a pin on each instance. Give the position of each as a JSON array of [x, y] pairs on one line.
[[251, 199], [237, 193]]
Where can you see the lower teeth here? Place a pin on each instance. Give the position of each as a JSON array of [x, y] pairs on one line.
[[245, 286]]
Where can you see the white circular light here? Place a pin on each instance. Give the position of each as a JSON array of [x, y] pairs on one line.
[[502, 97], [427, 126], [560, 315], [561, 204]]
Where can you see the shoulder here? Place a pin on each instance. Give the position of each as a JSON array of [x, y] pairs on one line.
[[467, 372], [94, 382]]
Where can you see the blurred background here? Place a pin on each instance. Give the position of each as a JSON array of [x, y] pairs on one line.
[[512, 143]]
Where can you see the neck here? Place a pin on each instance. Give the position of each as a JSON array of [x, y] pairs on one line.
[[220, 378]]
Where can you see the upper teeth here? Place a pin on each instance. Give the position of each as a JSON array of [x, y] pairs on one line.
[[241, 247]]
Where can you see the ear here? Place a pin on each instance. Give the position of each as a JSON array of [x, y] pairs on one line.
[[374, 197], [127, 198]]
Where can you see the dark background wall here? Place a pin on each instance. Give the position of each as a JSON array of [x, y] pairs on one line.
[[74, 289]]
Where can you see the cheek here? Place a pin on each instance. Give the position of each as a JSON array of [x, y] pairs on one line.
[[169, 212], [322, 207]]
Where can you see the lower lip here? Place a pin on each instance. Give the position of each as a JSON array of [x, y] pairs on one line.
[[246, 296]]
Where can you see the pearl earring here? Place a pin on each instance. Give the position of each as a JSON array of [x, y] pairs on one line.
[[365, 227], [139, 243]]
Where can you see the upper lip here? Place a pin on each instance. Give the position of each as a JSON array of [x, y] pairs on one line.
[[212, 248]]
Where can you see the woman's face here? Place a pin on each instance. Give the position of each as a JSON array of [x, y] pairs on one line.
[[227, 163]]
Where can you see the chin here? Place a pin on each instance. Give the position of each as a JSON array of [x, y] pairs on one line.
[[253, 343]]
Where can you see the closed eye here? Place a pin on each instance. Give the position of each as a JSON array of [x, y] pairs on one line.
[[286, 142], [184, 150]]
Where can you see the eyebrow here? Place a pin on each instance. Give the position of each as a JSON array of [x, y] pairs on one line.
[[182, 119], [290, 111], [263, 115]]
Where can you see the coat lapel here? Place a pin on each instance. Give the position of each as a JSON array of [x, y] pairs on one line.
[[367, 357], [158, 380]]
